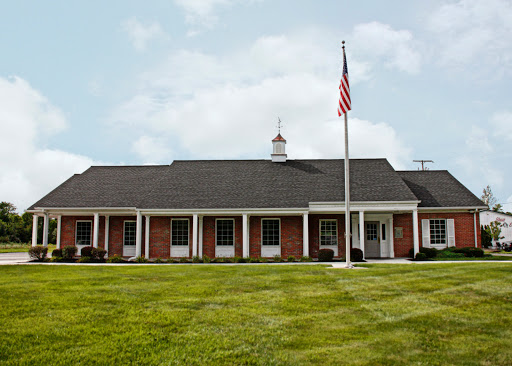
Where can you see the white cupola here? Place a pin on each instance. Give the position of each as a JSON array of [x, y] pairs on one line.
[[279, 151]]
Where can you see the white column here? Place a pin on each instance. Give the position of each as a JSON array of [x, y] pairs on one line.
[[391, 238], [34, 229], [59, 226], [107, 229], [200, 237], [96, 230], [45, 229], [361, 232], [415, 232], [146, 249], [305, 235], [138, 235], [245, 238], [194, 235]]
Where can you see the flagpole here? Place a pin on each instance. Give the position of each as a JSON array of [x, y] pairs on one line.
[[347, 188]]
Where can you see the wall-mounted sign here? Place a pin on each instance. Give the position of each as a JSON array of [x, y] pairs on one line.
[[399, 232]]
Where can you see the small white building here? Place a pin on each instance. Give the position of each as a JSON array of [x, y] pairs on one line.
[[486, 217]]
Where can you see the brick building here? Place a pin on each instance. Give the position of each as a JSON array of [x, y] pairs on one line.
[[259, 208]]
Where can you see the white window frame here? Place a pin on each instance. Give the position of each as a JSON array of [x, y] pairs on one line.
[[124, 233], [234, 233], [445, 243], [320, 233], [76, 234], [273, 219], [188, 232]]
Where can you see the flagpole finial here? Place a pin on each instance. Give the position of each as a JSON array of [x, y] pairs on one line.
[[343, 43]]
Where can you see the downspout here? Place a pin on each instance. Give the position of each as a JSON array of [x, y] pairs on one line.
[[474, 220]]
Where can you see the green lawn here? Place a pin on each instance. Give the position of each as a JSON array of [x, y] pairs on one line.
[[428, 314], [23, 247]]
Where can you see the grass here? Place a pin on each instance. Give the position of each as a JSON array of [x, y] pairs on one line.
[[21, 247], [428, 314], [486, 257]]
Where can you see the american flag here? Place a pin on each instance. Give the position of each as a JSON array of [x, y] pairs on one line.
[[344, 103]]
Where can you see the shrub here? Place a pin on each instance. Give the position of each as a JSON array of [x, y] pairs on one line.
[[56, 259], [470, 251], [158, 260], [429, 252], [421, 257], [227, 260], [306, 258], [38, 253], [196, 259], [85, 259], [277, 258], [448, 254], [56, 253], [98, 254], [206, 259], [290, 258], [116, 258], [87, 252], [254, 260], [239, 260], [356, 255], [263, 260], [170, 260], [325, 255], [68, 252], [183, 260]]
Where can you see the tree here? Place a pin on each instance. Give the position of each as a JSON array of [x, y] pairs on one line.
[[494, 231], [7, 210], [490, 200]]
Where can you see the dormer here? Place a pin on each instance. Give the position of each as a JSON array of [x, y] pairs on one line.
[[279, 149]]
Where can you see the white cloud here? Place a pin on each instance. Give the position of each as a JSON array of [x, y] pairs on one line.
[[474, 32], [29, 168], [502, 125], [152, 149], [206, 106], [381, 43], [140, 35], [201, 12]]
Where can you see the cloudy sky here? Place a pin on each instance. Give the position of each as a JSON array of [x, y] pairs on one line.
[[147, 82]]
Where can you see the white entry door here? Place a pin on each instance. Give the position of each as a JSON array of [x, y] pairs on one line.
[[372, 240], [129, 237]]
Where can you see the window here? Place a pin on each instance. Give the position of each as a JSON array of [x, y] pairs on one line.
[[130, 230], [437, 231], [225, 231], [328, 232], [270, 234], [371, 231], [83, 232], [179, 231]]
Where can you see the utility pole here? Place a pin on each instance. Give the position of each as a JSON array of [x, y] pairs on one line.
[[423, 163]]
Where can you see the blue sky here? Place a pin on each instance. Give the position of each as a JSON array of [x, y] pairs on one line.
[[130, 82]]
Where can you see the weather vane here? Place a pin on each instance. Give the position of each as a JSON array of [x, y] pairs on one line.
[[279, 125]]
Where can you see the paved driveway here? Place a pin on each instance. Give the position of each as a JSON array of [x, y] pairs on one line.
[[14, 258]]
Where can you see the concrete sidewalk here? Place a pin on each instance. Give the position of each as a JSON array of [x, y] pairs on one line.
[[14, 258]]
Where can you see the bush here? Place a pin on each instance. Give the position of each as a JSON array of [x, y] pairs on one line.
[[183, 260], [449, 254], [38, 253], [263, 260], [239, 260], [85, 260], [227, 260], [290, 258], [56, 259], [68, 252], [277, 258], [356, 255], [325, 255], [254, 260], [116, 258], [196, 259], [158, 260], [421, 257], [306, 258], [87, 252], [141, 259], [206, 259], [98, 254], [470, 251], [57, 253], [429, 252]]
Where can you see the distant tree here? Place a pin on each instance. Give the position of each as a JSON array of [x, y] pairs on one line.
[[486, 238], [497, 207], [489, 200], [6, 211], [494, 231]]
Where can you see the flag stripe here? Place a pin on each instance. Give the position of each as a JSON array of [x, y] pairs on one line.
[[344, 104]]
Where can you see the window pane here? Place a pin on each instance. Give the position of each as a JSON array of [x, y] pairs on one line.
[[328, 232], [383, 233], [83, 233], [225, 232], [270, 232], [179, 232], [438, 232], [371, 231], [130, 229]]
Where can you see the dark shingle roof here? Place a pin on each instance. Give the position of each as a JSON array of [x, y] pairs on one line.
[[229, 184], [438, 188]]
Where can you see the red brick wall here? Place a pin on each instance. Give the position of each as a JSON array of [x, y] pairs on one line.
[[403, 245], [291, 235], [464, 227], [116, 231], [160, 237], [209, 235], [314, 234]]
